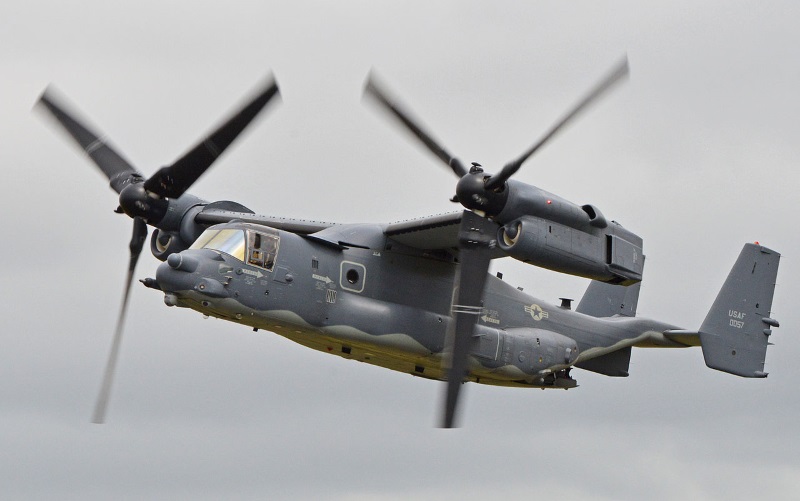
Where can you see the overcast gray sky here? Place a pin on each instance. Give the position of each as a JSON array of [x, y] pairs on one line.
[[697, 153]]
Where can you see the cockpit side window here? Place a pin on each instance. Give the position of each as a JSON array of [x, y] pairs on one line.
[[262, 249]]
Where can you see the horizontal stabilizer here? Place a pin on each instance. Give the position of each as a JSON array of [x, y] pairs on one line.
[[735, 333]]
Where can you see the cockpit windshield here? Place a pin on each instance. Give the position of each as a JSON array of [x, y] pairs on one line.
[[228, 240], [255, 247]]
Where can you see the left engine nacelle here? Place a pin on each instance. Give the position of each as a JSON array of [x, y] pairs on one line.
[[178, 230], [164, 243]]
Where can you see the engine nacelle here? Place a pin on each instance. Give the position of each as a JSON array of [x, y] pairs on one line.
[[600, 251], [546, 230], [164, 243], [178, 230]]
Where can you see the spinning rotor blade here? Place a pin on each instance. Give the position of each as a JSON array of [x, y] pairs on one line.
[[172, 181], [619, 72], [136, 244], [373, 88], [114, 166], [476, 241], [146, 201]]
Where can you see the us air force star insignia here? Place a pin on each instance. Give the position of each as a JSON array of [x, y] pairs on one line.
[[536, 311]]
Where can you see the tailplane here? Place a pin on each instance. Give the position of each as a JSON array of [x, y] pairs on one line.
[[735, 333]]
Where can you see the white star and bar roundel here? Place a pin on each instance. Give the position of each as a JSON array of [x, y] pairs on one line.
[[536, 311]]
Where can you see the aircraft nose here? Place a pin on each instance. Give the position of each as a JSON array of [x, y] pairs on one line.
[[179, 261], [183, 272], [171, 279]]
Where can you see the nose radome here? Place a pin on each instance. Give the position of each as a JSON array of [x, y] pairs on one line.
[[171, 279], [179, 274], [182, 262]]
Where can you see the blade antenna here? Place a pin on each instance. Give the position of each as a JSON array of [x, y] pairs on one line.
[[374, 88], [136, 244], [617, 74]]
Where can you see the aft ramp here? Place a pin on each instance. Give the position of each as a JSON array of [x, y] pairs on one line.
[[735, 333]]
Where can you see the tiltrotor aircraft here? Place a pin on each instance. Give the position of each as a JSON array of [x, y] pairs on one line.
[[416, 296]]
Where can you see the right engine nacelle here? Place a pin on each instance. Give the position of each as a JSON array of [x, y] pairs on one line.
[[609, 253]]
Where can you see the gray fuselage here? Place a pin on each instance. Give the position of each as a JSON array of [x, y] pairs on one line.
[[358, 294]]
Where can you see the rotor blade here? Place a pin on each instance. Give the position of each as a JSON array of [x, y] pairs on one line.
[[136, 244], [116, 168], [618, 73], [476, 240], [374, 89], [172, 181]]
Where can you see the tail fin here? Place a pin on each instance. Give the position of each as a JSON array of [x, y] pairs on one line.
[[606, 300], [735, 333]]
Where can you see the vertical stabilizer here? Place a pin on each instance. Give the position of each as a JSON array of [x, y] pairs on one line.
[[606, 300], [736, 331]]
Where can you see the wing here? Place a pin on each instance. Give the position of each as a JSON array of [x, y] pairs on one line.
[[438, 232], [428, 233], [223, 212]]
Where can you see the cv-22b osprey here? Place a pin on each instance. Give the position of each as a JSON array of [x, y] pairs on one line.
[[416, 296]]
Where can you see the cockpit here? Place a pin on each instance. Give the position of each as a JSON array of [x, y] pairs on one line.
[[257, 247]]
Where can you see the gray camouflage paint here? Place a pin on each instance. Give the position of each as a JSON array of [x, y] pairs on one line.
[[395, 312]]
